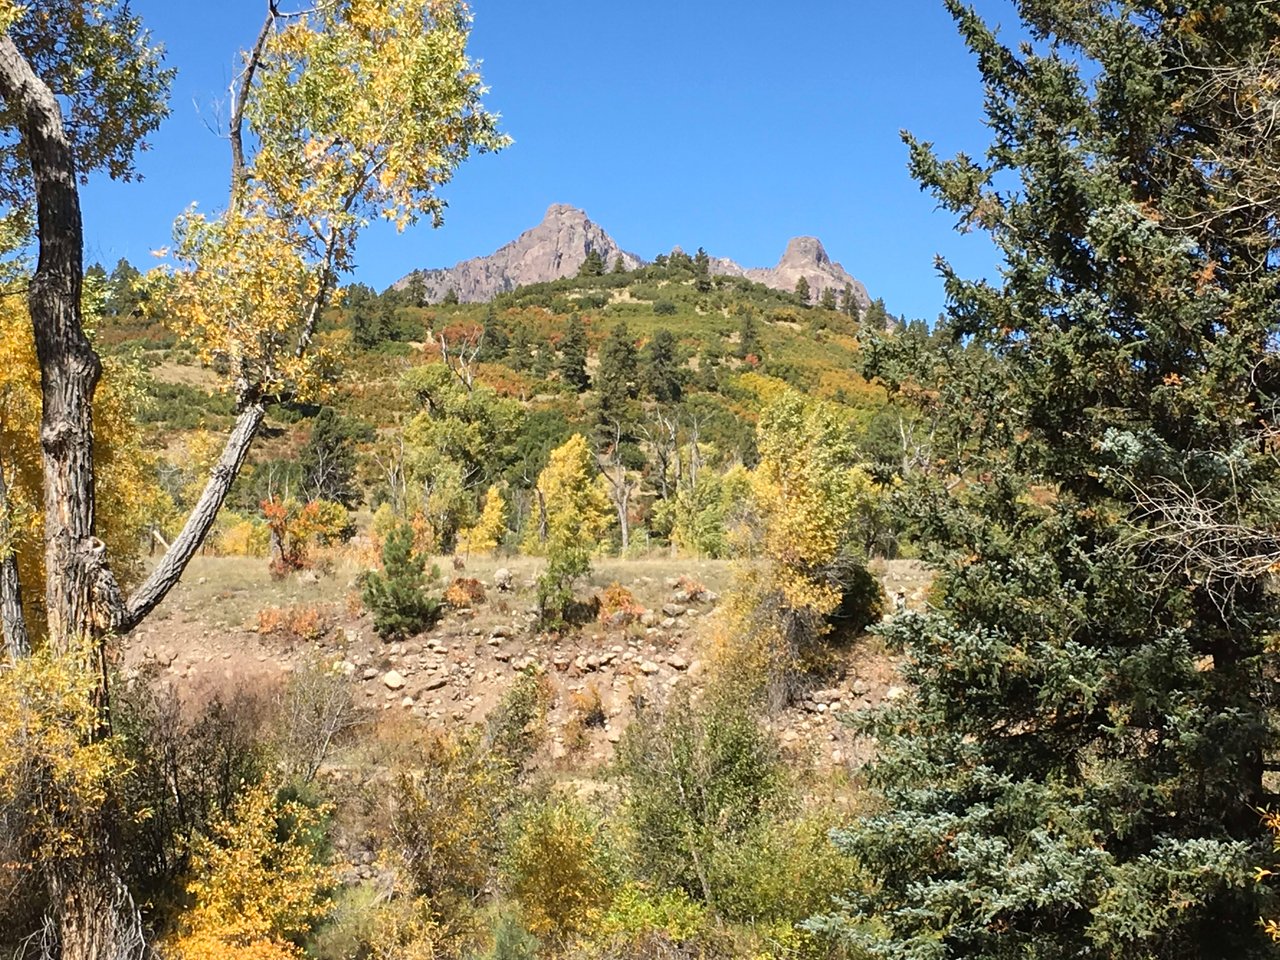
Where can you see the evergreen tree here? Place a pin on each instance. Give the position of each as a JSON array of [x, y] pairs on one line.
[[543, 358], [572, 364], [748, 333], [876, 319], [416, 290], [397, 596], [123, 297], [848, 302], [1078, 768], [495, 342], [702, 271], [828, 299], [663, 376], [520, 353], [450, 298], [593, 265], [802, 289], [617, 379], [618, 265], [328, 461]]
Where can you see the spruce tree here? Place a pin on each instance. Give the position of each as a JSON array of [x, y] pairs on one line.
[[802, 289], [1077, 767], [663, 377], [748, 333], [593, 265], [702, 271], [572, 363], [828, 298], [617, 379], [494, 341], [618, 265], [848, 302], [520, 352]]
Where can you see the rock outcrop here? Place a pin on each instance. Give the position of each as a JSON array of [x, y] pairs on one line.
[[558, 246], [555, 248]]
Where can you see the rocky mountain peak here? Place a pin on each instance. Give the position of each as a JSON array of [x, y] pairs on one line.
[[560, 243], [804, 252]]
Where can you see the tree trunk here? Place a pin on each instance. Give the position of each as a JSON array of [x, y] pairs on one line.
[[95, 917]]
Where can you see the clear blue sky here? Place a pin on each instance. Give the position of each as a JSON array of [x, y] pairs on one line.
[[727, 125]]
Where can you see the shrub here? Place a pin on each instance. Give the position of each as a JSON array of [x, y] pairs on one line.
[[398, 597], [464, 592], [586, 711], [444, 827], [555, 869], [315, 711], [299, 623], [698, 780], [515, 727], [257, 884], [664, 308], [618, 605]]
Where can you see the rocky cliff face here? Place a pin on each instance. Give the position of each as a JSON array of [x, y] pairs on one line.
[[553, 249], [558, 246]]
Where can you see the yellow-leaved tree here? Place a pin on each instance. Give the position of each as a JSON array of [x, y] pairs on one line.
[[257, 884], [342, 112], [490, 527], [803, 569], [573, 514]]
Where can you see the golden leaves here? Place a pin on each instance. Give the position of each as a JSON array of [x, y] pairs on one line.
[[255, 882]]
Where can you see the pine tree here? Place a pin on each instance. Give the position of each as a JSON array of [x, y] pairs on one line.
[[802, 289], [828, 298], [520, 352], [702, 271], [618, 265], [593, 265], [397, 597], [1077, 769], [748, 333], [848, 302], [617, 379], [495, 342], [876, 319], [543, 358], [663, 378], [572, 364]]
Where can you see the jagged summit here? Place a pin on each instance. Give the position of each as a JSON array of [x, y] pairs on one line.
[[560, 243]]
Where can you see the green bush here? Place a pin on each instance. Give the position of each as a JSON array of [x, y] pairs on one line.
[[664, 308]]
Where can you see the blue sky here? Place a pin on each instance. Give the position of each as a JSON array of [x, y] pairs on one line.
[[728, 125]]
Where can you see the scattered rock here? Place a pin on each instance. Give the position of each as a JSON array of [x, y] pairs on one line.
[[648, 667], [673, 609], [435, 683], [392, 680], [678, 662], [502, 579]]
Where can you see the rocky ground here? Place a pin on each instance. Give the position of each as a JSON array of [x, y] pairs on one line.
[[209, 639]]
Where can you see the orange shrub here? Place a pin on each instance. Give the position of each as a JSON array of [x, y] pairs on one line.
[[618, 605], [299, 623], [464, 592]]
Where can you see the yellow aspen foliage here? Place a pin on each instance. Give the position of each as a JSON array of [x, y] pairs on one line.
[[55, 774], [126, 492], [256, 883], [489, 529], [803, 559], [577, 509], [809, 494], [358, 109]]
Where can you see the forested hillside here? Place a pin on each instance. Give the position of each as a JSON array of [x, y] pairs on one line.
[[653, 611]]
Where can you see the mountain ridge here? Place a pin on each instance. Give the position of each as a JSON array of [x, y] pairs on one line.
[[558, 246]]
